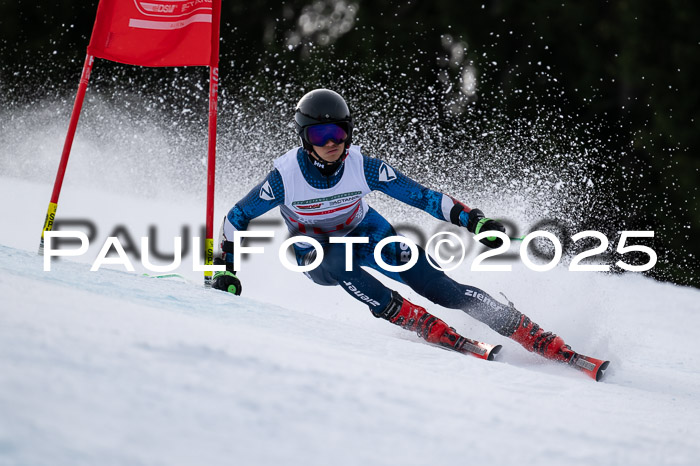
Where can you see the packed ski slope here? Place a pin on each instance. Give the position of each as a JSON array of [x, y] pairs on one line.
[[115, 368]]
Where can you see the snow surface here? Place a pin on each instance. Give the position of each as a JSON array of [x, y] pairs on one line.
[[117, 368]]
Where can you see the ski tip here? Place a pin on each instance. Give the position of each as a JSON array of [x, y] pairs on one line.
[[592, 367], [601, 371], [492, 354]]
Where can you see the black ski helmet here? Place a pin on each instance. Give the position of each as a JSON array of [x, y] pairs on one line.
[[322, 106]]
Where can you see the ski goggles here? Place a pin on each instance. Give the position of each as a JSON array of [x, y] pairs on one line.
[[319, 135]]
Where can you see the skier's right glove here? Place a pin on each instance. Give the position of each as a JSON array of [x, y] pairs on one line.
[[226, 280]]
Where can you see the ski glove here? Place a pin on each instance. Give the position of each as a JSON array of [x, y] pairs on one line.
[[227, 281], [477, 223]]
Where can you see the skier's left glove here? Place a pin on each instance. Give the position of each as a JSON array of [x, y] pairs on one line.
[[478, 223], [475, 221]]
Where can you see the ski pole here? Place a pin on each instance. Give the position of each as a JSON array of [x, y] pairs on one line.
[[512, 238]]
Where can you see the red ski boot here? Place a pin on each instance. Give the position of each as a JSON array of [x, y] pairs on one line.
[[533, 338], [412, 317]]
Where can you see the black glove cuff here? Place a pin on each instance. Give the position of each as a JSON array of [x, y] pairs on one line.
[[454, 214], [229, 265], [474, 216]]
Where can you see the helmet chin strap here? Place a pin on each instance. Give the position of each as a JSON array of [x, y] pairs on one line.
[[326, 168]]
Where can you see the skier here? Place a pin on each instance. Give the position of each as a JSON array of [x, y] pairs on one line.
[[320, 189]]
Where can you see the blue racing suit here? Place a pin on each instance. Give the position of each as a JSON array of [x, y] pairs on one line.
[[427, 281]]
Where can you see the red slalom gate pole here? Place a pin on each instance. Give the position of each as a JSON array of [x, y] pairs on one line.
[[72, 125], [211, 153], [211, 172]]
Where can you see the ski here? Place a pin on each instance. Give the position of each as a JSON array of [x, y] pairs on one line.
[[477, 348], [166, 275], [592, 367]]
